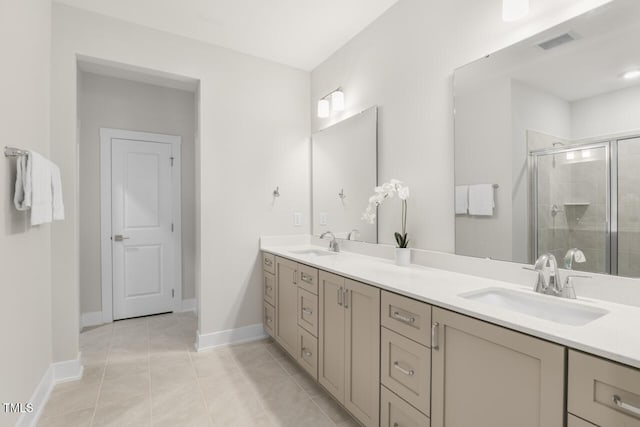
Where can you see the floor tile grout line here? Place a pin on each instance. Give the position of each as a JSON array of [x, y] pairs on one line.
[[200, 390], [104, 372]]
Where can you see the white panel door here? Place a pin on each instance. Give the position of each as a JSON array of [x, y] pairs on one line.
[[142, 243]]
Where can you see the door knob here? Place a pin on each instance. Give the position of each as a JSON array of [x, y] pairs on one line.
[[120, 237]]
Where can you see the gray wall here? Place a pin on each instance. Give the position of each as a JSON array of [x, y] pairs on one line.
[[107, 102], [25, 252]]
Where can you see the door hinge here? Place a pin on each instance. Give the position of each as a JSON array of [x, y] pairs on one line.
[[173, 293], [171, 158]]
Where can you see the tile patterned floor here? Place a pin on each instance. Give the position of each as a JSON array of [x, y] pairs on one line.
[[144, 372]]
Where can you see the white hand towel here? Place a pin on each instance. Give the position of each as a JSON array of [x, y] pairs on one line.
[[56, 188], [22, 194], [462, 199], [481, 200], [41, 190]]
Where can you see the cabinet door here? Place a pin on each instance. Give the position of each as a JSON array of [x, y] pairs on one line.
[[487, 376], [286, 305], [362, 355], [331, 334]]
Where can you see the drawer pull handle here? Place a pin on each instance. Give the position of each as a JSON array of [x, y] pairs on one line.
[[306, 310], [405, 319], [340, 296], [269, 320], [306, 353], [408, 372], [269, 288], [627, 407], [435, 337], [268, 262], [306, 278], [396, 425]]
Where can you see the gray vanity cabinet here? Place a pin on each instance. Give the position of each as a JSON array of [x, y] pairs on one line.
[[286, 296], [605, 393], [349, 345], [488, 376]]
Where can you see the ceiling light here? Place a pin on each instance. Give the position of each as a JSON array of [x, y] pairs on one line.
[[586, 154], [571, 155], [512, 10], [337, 100], [323, 108], [633, 74]]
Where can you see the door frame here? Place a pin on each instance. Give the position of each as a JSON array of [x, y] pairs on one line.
[[106, 135]]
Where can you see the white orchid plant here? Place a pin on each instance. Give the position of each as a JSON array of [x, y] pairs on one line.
[[382, 193]]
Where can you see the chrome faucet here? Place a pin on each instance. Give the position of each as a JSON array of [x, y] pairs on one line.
[[333, 245], [353, 233], [547, 263], [573, 255], [547, 266]]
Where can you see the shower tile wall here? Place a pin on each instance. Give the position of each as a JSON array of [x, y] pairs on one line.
[[629, 208], [577, 185]]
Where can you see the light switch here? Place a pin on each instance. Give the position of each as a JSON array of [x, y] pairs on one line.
[[297, 219], [323, 218]]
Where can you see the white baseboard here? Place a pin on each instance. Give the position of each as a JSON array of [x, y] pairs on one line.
[[60, 372], [93, 318], [190, 305], [230, 336]]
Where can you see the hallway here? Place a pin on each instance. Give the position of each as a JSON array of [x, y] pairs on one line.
[[144, 372]]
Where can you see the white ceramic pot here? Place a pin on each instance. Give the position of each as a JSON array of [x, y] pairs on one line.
[[403, 256]]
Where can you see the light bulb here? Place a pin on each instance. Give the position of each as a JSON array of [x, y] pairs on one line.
[[586, 154], [337, 100], [323, 108], [571, 155], [512, 10]]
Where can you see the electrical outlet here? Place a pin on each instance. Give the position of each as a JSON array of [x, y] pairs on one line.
[[323, 218], [297, 219]]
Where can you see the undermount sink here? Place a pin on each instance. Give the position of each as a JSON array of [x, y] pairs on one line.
[[542, 306], [318, 252]]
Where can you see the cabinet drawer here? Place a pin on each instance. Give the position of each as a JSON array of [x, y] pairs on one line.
[[269, 262], [603, 392], [406, 369], [308, 352], [407, 317], [574, 421], [395, 412], [269, 319], [269, 291], [308, 278], [308, 311]]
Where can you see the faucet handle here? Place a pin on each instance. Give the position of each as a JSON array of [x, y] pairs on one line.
[[567, 289]]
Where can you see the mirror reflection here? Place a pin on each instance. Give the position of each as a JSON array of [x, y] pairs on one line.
[[547, 146], [344, 174]]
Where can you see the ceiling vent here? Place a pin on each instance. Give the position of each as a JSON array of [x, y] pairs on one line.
[[557, 41]]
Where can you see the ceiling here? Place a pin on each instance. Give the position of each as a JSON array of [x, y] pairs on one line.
[[298, 33], [606, 46]]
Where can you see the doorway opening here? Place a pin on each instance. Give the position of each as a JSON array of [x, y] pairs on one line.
[[136, 134]]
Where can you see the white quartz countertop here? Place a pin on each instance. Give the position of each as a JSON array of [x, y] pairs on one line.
[[614, 336]]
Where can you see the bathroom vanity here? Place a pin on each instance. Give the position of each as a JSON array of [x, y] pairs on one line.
[[411, 346]]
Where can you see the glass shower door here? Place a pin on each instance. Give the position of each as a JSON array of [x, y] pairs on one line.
[[628, 236], [571, 204]]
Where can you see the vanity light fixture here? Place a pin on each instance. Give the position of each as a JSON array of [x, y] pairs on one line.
[[337, 100], [323, 108], [630, 75], [512, 10], [337, 103]]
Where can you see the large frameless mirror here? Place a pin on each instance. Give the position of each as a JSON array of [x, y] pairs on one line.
[[344, 174], [547, 146]]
